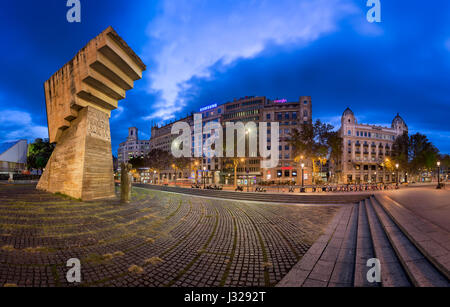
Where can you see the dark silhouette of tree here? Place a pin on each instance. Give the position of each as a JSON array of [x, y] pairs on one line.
[[414, 154]]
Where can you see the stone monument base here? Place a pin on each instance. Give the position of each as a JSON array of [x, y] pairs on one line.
[[81, 165]]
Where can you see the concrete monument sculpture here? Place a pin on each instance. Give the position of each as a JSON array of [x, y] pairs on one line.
[[79, 98]]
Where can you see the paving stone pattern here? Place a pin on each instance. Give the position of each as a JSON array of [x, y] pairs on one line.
[[158, 240]]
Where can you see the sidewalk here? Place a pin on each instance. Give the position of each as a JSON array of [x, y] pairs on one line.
[[426, 202]]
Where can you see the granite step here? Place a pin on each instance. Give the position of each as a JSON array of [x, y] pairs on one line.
[[392, 271], [420, 270], [431, 240], [264, 197], [315, 269], [364, 249], [344, 268]]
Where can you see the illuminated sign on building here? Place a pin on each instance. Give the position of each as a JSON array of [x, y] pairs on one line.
[[213, 106], [281, 101]]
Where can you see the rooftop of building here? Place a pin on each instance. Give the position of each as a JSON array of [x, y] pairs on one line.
[[8, 145]]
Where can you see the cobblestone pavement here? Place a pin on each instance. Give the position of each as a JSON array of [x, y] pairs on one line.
[[159, 239]]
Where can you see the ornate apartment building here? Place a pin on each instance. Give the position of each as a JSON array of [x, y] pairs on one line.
[[132, 147], [367, 149], [290, 115]]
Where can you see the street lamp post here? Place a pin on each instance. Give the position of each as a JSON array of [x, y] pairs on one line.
[[196, 172], [398, 175], [248, 179], [439, 175], [204, 178], [174, 174], [303, 177]]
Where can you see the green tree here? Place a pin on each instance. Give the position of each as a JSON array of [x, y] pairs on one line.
[[423, 155], [335, 144], [39, 153], [414, 154], [400, 152], [180, 164], [137, 162], [312, 142], [158, 160]]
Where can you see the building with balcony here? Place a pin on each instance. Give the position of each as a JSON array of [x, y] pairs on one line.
[[132, 147], [217, 170], [367, 150]]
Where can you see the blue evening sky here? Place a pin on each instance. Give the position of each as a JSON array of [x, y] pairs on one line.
[[200, 52]]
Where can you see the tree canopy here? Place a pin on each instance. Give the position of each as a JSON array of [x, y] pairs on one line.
[[414, 153], [39, 153], [316, 142]]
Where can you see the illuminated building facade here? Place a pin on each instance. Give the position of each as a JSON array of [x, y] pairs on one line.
[[367, 150], [290, 115]]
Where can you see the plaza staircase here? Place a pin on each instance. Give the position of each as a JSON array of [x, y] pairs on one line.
[[412, 251], [264, 197]]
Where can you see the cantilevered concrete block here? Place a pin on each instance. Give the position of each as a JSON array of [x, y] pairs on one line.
[[80, 97]]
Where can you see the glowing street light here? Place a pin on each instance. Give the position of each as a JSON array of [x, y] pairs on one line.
[[303, 177], [439, 175], [398, 175], [204, 178]]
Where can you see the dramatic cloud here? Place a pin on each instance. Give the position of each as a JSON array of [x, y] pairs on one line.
[[191, 36], [15, 125]]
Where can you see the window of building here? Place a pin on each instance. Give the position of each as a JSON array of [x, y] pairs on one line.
[[294, 115], [268, 116], [349, 132], [287, 173]]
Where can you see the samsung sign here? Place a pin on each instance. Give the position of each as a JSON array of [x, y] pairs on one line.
[[213, 106], [281, 101]]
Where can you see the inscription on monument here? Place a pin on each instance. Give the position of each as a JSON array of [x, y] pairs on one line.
[[98, 126]]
